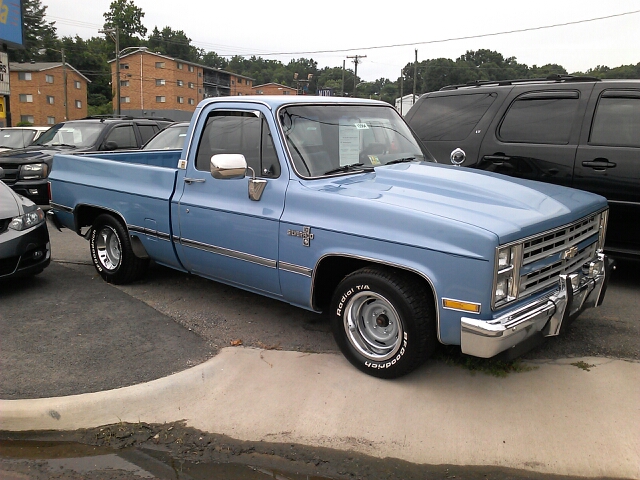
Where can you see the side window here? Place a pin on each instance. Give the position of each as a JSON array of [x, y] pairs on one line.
[[450, 117], [238, 132], [540, 117], [617, 120], [124, 136], [147, 131]]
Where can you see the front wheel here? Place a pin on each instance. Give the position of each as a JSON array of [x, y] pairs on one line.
[[383, 321], [111, 252]]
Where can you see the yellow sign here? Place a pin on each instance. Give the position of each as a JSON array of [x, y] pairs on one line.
[[2, 112], [4, 12]]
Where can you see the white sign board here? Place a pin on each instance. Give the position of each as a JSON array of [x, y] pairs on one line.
[[4, 73]]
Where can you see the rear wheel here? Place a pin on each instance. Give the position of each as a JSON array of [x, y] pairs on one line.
[[383, 321], [111, 252]]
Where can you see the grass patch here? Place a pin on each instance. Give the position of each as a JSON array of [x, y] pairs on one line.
[[583, 365], [488, 366]]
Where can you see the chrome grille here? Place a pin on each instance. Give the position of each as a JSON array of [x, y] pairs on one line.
[[545, 253]]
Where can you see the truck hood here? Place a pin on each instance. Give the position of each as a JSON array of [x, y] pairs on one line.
[[35, 154], [510, 208]]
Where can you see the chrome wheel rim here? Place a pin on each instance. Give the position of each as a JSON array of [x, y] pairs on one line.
[[108, 248], [373, 326]]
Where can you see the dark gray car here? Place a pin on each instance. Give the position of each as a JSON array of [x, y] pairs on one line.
[[24, 238]]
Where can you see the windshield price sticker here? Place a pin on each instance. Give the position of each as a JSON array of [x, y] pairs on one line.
[[362, 126]]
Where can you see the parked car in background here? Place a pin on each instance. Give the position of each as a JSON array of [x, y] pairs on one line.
[[170, 138], [19, 137], [580, 132], [26, 170], [24, 237]]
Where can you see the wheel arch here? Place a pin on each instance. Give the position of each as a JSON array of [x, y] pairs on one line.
[[332, 268], [85, 215]]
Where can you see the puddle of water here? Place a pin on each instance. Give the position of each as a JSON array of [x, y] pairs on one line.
[[140, 463]]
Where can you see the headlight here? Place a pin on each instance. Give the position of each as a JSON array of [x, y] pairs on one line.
[[604, 217], [507, 268], [27, 220], [34, 171]]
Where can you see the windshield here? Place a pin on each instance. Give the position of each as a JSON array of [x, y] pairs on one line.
[[72, 134], [16, 138], [327, 139], [169, 138]]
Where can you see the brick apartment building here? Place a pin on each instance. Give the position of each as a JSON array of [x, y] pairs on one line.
[[155, 85], [273, 89], [37, 93]]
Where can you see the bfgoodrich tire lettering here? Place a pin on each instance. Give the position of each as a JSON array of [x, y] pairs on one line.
[[111, 252], [383, 321]]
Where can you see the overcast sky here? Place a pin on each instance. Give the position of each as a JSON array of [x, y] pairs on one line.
[[300, 29]]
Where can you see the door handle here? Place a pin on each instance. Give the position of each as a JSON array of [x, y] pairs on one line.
[[193, 180], [496, 159], [599, 164]]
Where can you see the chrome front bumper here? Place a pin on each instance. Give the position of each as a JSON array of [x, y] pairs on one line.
[[576, 292]]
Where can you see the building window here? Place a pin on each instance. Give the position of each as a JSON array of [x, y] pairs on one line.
[[199, 74], [159, 64], [124, 66], [78, 104], [50, 99], [125, 99], [26, 97], [159, 82], [48, 78], [192, 85], [191, 101], [239, 81], [161, 99], [179, 83], [180, 99], [24, 75], [199, 90], [124, 83], [51, 120], [260, 92], [286, 92], [191, 68], [26, 118], [179, 65], [77, 84], [233, 82]]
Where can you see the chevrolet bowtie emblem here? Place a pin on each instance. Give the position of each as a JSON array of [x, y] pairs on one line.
[[305, 234], [570, 253]]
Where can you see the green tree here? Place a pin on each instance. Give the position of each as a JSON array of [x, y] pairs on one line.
[[213, 60], [124, 15], [37, 32], [173, 43]]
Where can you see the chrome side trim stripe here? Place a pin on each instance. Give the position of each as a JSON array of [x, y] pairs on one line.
[[247, 257], [149, 232], [289, 267], [57, 206]]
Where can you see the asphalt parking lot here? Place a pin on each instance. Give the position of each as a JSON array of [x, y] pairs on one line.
[[66, 331]]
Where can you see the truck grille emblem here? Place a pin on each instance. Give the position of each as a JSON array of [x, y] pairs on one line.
[[305, 234], [570, 253]]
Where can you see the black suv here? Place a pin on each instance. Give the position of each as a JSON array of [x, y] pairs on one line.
[[26, 170], [580, 132]]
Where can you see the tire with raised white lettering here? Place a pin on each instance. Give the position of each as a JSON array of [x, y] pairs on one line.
[[383, 320], [111, 252]]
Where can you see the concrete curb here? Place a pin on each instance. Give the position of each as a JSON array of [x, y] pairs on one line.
[[555, 419]]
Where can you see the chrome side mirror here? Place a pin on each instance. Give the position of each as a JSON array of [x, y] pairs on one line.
[[1, 173], [227, 166], [256, 186], [458, 157]]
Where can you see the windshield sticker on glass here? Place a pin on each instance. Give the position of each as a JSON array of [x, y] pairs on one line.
[[362, 126], [374, 160], [349, 145]]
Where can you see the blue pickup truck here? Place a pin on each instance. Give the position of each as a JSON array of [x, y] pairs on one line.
[[333, 205]]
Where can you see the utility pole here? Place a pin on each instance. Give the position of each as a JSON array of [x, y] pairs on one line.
[[401, 90], [64, 78], [355, 74], [343, 68], [114, 34]]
